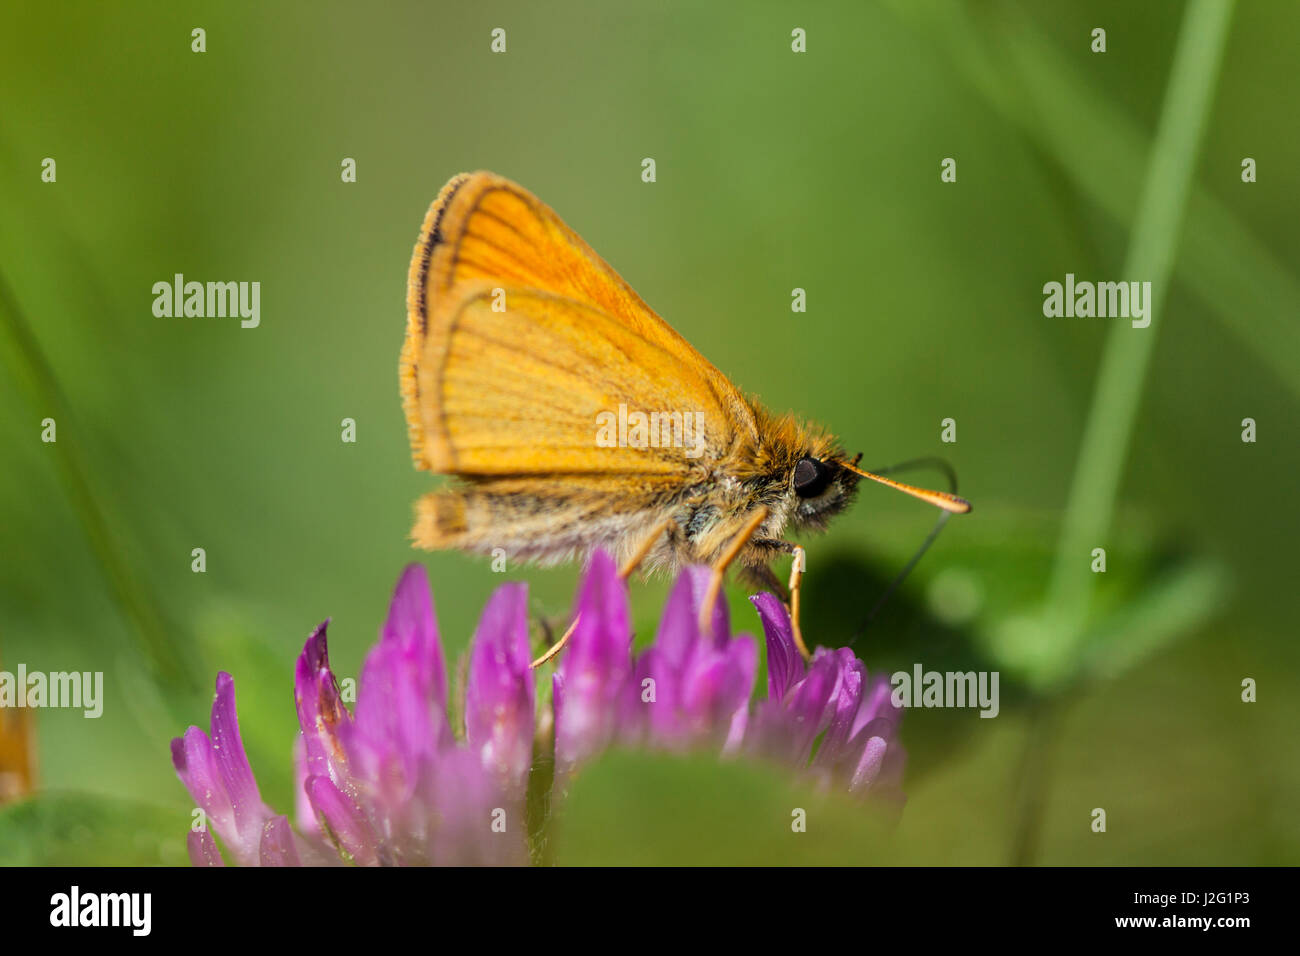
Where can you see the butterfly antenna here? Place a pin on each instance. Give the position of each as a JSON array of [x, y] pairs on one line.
[[946, 501], [949, 502]]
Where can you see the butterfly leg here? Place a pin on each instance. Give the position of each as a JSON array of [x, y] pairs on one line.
[[723, 562], [791, 596], [668, 525], [637, 557], [556, 647], [797, 568]]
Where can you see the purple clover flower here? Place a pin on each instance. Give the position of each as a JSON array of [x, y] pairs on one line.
[[832, 697], [687, 690], [391, 784]]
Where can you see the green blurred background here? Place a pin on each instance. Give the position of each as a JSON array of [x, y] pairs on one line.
[[775, 170]]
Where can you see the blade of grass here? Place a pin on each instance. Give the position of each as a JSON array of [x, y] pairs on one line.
[[1249, 291], [1127, 353], [1124, 363], [1024, 78], [38, 379]]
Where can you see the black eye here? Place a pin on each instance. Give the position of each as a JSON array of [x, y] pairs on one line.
[[810, 478]]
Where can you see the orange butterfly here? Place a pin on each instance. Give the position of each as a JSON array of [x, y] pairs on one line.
[[576, 418]]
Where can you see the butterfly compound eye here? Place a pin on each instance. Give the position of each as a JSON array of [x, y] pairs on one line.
[[810, 477]]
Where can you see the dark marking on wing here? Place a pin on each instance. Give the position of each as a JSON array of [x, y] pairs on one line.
[[434, 239]]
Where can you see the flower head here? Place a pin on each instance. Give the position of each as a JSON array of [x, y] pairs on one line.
[[395, 783], [390, 785]]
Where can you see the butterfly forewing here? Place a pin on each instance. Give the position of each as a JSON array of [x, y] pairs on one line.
[[519, 336]]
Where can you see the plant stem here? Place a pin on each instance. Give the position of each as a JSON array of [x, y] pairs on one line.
[[1127, 354], [1029, 802], [1090, 508]]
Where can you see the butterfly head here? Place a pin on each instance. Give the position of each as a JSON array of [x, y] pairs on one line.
[[819, 488]]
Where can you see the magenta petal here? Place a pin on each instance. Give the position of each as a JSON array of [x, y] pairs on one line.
[[476, 824], [664, 669], [344, 821], [232, 763], [785, 666], [412, 625], [719, 617], [742, 666], [594, 667], [658, 688], [192, 758], [735, 738], [215, 770], [678, 636], [640, 701], [714, 690], [870, 761], [401, 715], [700, 683], [845, 704], [321, 714], [771, 733], [807, 708], [399, 727], [203, 849], [878, 703], [277, 847], [304, 815], [499, 697], [313, 659]]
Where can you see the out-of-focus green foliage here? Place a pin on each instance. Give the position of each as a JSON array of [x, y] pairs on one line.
[[775, 171]]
